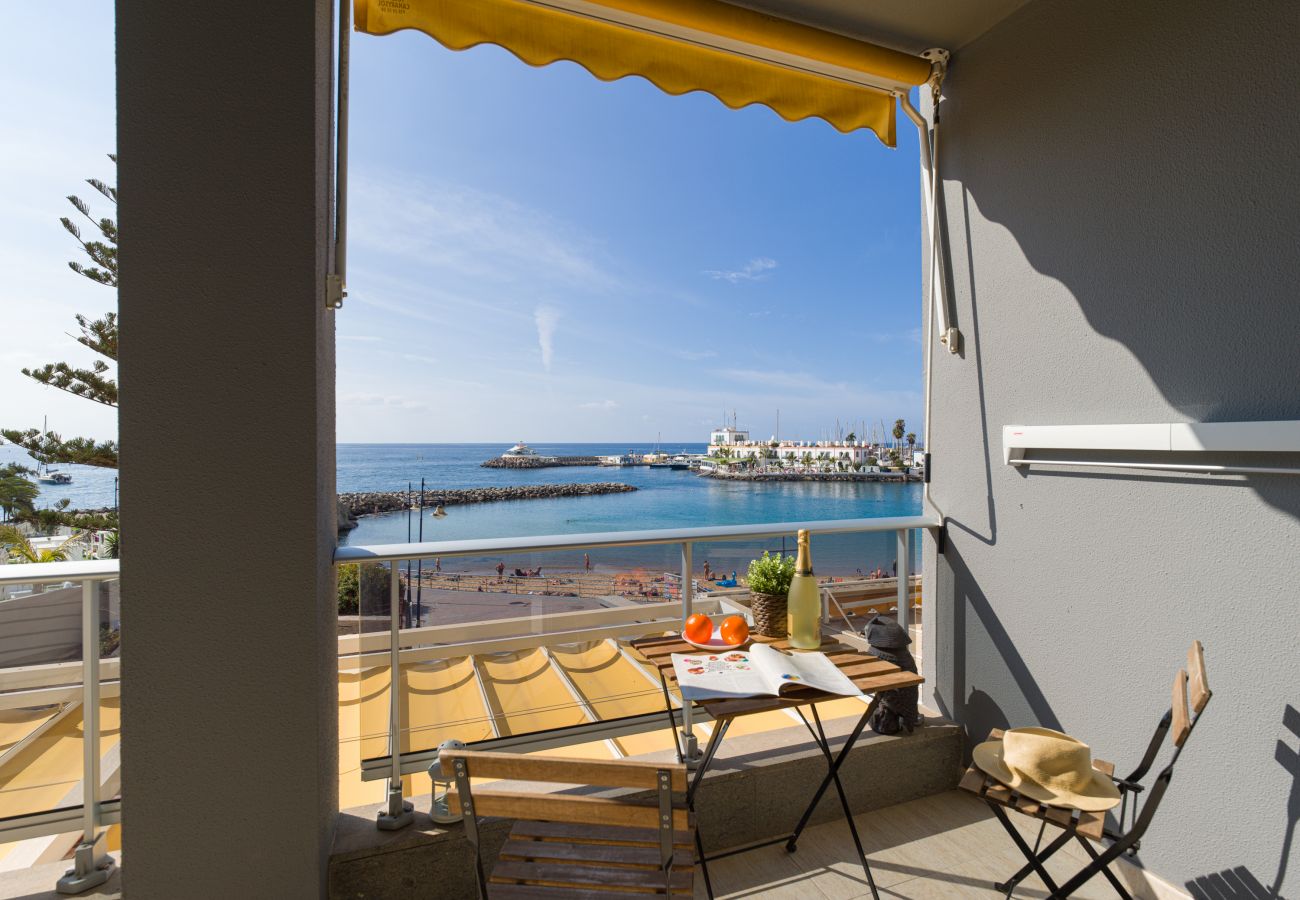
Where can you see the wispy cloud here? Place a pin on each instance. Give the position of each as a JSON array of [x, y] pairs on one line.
[[394, 401], [792, 381], [476, 234], [546, 318], [757, 269], [599, 404], [695, 355]]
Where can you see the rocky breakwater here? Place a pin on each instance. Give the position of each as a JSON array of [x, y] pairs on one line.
[[538, 462], [370, 503]]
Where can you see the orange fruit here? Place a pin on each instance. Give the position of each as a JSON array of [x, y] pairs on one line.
[[699, 629], [734, 630]]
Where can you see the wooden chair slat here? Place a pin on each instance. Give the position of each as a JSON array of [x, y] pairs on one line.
[[1181, 725], [577, 832], [984, 786], [568, 875], [566, 808], [1198, 684], [564, 770], [594, 854]]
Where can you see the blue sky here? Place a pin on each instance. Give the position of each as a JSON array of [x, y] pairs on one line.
[[533, 253]]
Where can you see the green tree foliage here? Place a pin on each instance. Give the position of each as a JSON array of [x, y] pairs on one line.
[[358, 581], [99, 335], [17, 492], [852, 437], [911, 440], [900, 428]]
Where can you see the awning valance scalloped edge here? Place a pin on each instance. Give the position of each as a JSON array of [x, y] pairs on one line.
[[539, 35]]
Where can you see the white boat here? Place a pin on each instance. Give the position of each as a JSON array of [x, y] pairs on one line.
[[54, 477], [523, 451]]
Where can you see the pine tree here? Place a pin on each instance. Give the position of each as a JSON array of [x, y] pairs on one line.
[[100, 335]]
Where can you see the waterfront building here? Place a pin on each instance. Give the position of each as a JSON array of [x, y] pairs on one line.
[[728, 436]]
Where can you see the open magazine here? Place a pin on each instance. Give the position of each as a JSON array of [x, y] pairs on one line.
[[760, 671]]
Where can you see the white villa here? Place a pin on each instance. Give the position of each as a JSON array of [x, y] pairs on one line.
[[736, 444]]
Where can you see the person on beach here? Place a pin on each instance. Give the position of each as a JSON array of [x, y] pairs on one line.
[[586, 563], [708, 574], [437, 565], [501, 570]]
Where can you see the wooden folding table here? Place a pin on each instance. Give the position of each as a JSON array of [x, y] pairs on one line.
[[869, 674]]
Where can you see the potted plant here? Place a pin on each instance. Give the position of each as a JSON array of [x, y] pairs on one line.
[[769, 585]]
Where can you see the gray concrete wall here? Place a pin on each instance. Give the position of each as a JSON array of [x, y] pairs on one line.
[[230, 716], [1121, 202]]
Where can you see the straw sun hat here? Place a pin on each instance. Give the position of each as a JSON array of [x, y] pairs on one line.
[[1049, 767]]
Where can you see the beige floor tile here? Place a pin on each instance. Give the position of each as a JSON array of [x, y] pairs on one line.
[[766, 872], [944, 846]]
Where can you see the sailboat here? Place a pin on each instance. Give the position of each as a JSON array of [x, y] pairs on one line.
[[46, 475]]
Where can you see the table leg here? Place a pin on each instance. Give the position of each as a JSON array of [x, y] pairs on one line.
[[719, 729], [831, 775], [844, 804], [672, 723]]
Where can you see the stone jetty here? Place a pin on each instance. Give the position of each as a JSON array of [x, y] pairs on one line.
[[537, 462], [374, 502], [813, 476]]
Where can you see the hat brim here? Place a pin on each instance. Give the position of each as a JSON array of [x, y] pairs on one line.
[[1099, 795]]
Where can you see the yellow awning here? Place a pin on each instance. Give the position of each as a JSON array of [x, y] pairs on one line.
[[738, 55]]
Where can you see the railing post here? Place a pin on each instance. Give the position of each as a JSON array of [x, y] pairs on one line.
[[690, 746], [904, 581], [88, 871], [399, 813]]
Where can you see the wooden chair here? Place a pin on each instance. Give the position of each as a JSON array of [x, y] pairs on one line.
[[1086, 827], [577, 847]]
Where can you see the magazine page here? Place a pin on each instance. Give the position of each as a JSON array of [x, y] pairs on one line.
[[710, 676], [780, 670]]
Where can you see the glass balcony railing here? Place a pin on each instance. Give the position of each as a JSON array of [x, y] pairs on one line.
[[520, 643], [524, 643], [60, 633]]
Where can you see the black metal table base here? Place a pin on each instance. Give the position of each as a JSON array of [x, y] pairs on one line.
[[791, 840]]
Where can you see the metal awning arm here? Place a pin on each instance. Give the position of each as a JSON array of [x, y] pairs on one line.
[[948, 334]]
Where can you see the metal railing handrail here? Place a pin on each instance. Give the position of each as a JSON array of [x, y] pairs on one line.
[[58, 572], [479, 546]]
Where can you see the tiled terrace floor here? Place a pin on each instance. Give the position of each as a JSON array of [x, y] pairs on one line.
[[945, 845]]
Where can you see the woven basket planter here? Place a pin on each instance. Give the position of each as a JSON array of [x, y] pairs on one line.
[[769, 614]]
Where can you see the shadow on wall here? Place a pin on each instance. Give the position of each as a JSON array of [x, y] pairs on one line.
[[1240, 883], [971, 705], [1165, 206]]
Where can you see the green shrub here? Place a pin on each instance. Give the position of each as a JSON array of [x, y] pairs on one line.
[[771, 574], [375, 582]]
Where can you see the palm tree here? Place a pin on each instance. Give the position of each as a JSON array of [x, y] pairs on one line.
[[900, 427], [911, 443], [20, 549]]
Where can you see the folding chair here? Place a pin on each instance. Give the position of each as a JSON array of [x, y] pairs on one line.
[[577, 847], [1089, 827]]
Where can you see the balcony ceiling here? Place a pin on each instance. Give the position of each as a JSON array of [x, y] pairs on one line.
[[907, 25]]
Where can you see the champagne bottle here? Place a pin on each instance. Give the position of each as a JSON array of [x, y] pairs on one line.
[[804, 604]]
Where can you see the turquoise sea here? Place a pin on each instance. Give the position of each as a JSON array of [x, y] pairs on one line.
[[665, 499]]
